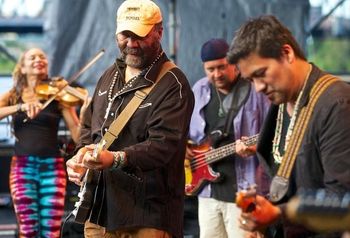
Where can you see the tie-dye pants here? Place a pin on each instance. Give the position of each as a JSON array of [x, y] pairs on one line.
[[38, 187]]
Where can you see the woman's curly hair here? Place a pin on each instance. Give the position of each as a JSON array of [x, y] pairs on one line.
[[19, 81]]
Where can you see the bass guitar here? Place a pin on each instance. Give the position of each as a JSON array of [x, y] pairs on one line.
[[88, 189], [198, 171], [320, 211]]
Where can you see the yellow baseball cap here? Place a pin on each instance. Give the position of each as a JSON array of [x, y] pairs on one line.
[[138, 16]]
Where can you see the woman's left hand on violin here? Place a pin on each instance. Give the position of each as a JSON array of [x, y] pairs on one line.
[[65, 94], [58, 82]]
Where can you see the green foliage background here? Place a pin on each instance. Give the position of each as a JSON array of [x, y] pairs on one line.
[[6, 65], [15, 44], [330, 54]]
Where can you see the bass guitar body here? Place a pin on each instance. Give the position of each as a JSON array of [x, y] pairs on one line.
[[199, 176], [198, 171]]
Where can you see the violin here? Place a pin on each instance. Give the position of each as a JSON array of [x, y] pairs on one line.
[[68, 97]]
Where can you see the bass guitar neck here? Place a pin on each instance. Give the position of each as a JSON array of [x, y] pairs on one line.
[[198, 171]]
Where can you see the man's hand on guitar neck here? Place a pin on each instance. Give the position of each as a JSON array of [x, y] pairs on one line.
[[102, 159], [243, 150], [75, 167], [93, 157]]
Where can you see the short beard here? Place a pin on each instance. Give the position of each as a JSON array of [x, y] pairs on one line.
[[134, 61], [143, 58]]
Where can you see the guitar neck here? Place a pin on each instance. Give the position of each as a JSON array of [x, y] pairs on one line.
[[217, 154], [98, 148], [320, 211]]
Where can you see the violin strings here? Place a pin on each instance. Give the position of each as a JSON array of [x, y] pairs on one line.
[[200, 160]]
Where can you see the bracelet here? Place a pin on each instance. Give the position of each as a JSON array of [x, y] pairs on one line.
[[122, 158], [118, 159]]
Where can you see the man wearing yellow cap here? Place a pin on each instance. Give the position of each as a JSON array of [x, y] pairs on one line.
[[140, 177]]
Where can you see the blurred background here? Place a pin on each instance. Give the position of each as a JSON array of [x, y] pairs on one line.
[[71, 32]]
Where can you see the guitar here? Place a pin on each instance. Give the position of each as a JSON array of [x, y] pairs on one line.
[[88, 189], [320, 211], [198, 171]]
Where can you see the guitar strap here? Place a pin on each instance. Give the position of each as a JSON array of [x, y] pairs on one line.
[[240, 95], [118, 124], [83, 210], [280, 183]]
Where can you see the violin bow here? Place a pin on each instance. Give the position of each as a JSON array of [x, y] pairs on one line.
[[75, 76]]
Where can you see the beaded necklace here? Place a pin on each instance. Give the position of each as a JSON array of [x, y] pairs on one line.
[[128, 85], [278, 131]]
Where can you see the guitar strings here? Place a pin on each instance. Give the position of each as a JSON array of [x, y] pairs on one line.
[[250, 140], [208, 157], [230, 147]]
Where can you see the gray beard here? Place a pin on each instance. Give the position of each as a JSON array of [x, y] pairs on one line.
[[134, 62]]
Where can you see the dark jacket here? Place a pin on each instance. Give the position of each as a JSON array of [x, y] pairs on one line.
[[149, 192], [323, 158]]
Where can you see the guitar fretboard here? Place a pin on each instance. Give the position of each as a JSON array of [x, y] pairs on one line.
[[319, 202], [226, 150]]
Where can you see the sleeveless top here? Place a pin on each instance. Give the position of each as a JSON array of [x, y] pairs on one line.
[[38, 136]]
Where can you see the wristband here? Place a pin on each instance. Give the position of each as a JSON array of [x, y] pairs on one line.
[[118, 159], [122, 158]]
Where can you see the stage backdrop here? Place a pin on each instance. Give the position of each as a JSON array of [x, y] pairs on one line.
[[77, 30]]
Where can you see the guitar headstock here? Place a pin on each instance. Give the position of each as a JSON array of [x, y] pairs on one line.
[[320, 211], [98, 148]]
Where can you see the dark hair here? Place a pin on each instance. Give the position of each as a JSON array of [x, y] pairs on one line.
[[265, 36]]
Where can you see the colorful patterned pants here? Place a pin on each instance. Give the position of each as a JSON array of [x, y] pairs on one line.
[[38, 187]]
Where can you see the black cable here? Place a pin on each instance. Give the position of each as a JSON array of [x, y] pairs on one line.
[[64, 222]]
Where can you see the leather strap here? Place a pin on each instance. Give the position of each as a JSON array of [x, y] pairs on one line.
[[300, 127], [240, 94], [119, 123]]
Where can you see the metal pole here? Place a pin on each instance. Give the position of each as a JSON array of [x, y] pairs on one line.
[[318, 23], [172, 30]]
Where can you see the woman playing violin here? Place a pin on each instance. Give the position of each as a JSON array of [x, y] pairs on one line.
[[37, 177]]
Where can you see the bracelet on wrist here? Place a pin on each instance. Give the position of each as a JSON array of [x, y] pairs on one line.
[[122, 159], [118, 159]]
